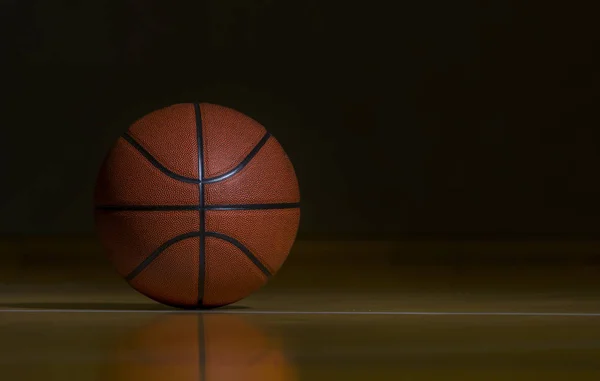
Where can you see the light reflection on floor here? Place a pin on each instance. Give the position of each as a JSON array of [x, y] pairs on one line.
[[138, 342]]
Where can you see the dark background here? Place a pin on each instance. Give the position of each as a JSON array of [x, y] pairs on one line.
[[427, 118]]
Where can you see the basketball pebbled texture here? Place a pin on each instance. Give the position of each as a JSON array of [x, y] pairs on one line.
[[197, 205]]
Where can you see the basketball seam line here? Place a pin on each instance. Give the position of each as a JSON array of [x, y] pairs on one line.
[[201, 212], [217, 207], [155, 254], [242, 248], [242, 164], [149, 259], [129, 139]]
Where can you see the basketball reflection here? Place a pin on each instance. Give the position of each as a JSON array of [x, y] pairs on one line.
[[202, 347]]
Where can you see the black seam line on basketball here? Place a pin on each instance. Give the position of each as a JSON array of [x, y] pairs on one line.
[[175, 208], [242, 164], [243, 248], [201, 213], [149, 259], [184, 179], [156, 163]]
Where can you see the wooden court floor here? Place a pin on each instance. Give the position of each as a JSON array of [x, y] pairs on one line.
[[366, 311]]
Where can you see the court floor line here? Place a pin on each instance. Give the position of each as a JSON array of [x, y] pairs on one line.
[[273, 312]]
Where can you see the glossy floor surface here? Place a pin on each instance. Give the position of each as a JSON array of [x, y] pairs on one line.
[[432, 320]]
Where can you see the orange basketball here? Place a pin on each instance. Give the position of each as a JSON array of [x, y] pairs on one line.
[[197, 205]]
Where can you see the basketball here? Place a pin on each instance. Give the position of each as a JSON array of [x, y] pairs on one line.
[[197, 205]]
